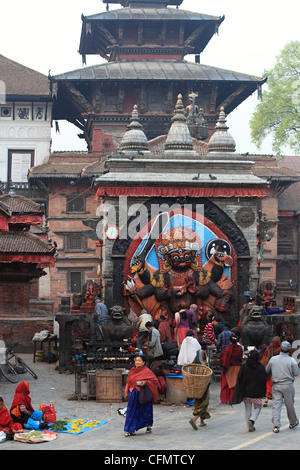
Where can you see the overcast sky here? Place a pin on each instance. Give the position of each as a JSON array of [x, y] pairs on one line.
[[250, 38]]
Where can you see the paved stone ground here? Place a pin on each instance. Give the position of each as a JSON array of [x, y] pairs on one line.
[[226, 430]]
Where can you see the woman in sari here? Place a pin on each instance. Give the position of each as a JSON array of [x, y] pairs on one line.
[[6, 423], [231, 359], [272, 350], [139, 415], [21, 409]]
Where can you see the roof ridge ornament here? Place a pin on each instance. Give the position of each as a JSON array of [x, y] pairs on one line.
[[179, 137], [134, 137], [221, 141]]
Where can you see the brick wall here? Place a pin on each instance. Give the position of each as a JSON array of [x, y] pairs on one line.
[[14, 299], [22, 330]]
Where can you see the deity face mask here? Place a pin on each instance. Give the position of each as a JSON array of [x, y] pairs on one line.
[[181, 259]]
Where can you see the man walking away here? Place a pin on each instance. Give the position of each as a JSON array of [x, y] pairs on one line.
[[283, 370]]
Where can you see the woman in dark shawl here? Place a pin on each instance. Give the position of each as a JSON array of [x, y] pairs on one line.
[[139, 415], [251, 388]]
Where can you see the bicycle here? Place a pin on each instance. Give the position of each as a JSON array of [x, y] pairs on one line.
[[14, 365]]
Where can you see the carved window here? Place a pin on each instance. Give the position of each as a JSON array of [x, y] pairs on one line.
[[110, 102], [75, 242]]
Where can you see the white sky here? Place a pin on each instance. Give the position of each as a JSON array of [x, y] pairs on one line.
[[45, 36]]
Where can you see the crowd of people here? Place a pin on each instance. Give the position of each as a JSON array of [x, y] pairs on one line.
[[252, 377]]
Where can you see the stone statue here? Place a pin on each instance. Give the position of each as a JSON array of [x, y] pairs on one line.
[[117, 326], [255, 331], [181, 281]]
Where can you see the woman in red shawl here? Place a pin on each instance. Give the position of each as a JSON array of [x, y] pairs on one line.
[[21, 409], [139, 415], [6, 423], [269, 351], [231, 359]]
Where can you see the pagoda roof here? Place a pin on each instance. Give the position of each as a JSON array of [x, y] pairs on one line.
[[22, 82], [156, 70], [100, 30], [163, 14], [168, 70]]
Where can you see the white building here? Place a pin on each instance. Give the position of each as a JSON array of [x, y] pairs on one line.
[[25, 122]]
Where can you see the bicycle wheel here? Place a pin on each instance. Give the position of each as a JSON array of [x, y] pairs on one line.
[[9, 372], [23, 364]]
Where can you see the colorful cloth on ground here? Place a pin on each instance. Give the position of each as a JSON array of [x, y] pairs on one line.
[[21, 397], [77, 426], [138, 416]]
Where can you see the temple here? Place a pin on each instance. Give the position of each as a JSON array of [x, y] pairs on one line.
[[208, 200], [145, 45]]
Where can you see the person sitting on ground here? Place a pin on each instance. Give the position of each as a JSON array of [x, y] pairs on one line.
[[22, 411], [6, 423]]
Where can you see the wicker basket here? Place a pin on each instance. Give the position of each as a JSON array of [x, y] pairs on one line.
[[196, 378]]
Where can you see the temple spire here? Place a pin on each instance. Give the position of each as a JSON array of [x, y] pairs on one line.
[[179, 137], [221, 141], [134, 137]]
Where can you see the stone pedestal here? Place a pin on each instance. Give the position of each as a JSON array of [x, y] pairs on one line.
[[175, 390]]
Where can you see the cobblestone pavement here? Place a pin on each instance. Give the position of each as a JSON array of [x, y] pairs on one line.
[[225, 430]]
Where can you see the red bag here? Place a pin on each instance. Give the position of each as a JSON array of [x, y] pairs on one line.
[[49, 414]]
